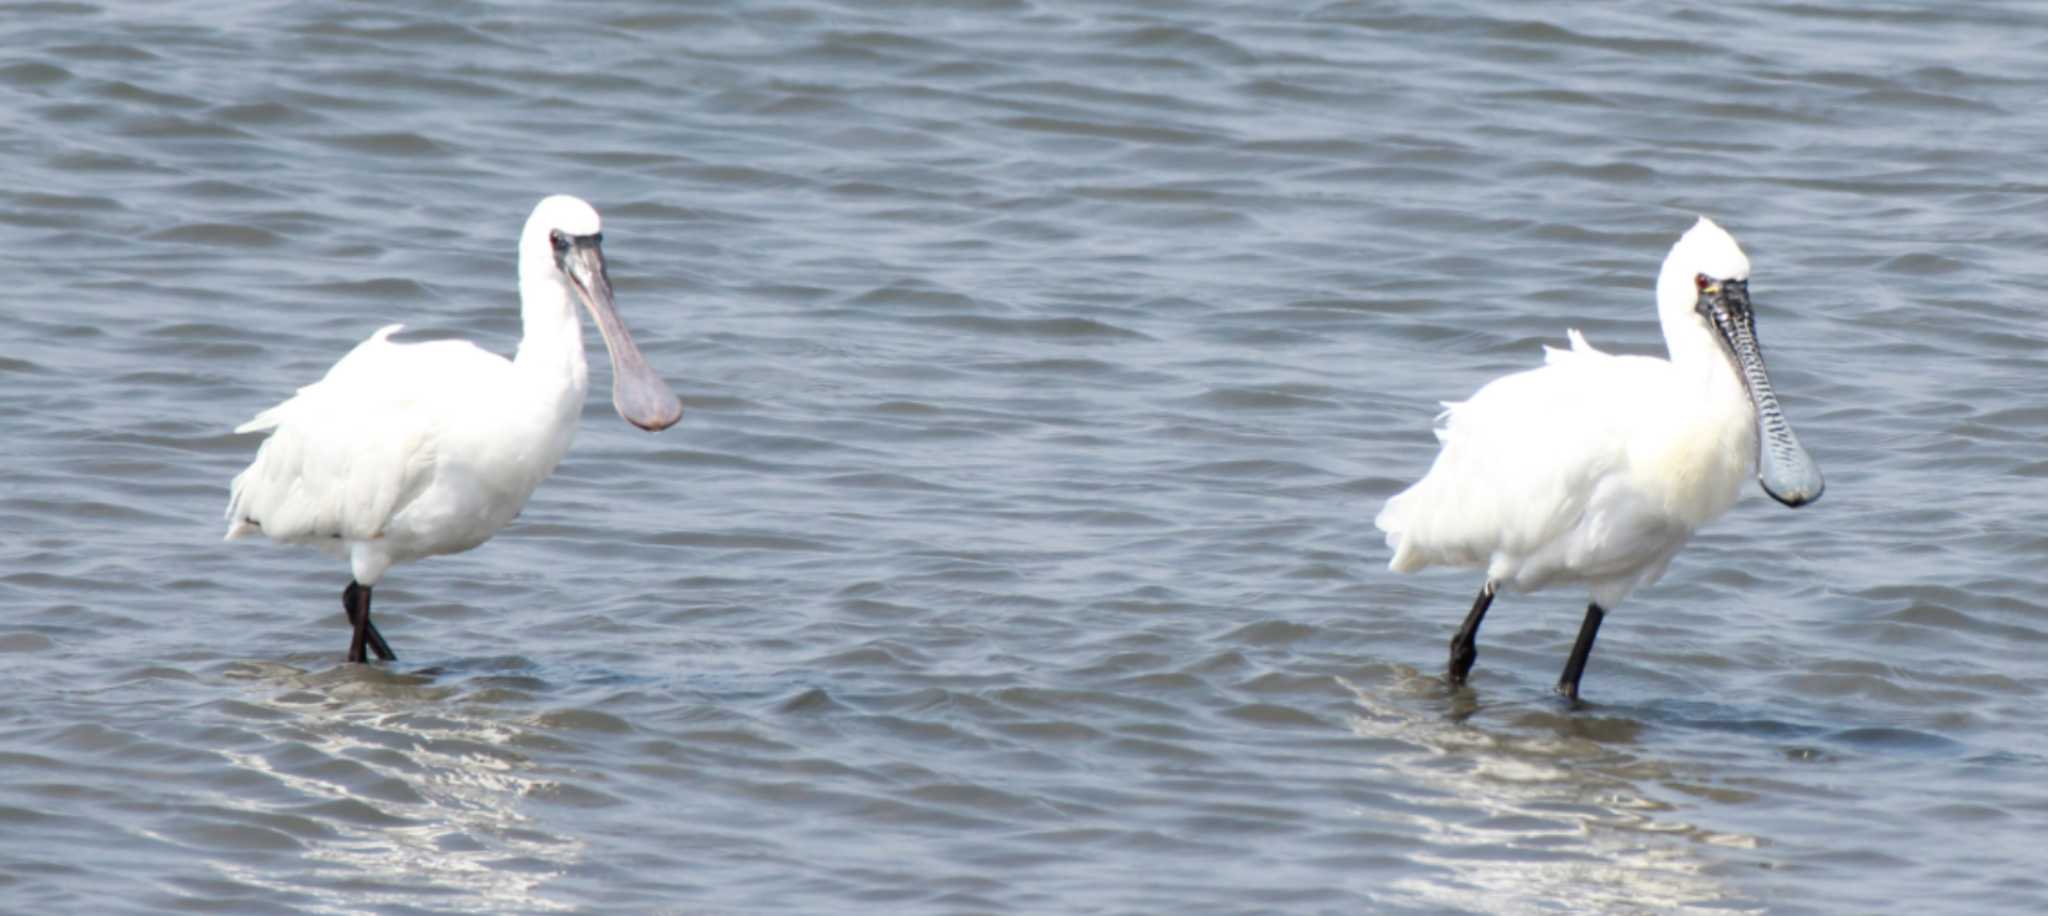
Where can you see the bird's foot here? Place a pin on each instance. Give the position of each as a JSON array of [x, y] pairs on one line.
[[1462, 658]]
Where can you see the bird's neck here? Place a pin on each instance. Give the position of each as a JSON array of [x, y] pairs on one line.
[[1722, 409], [1718, 428], [551, 348], [1698, 353], [1695, 447]]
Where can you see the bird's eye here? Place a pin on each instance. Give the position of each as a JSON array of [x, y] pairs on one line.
[[1702, 281], [559, 239]]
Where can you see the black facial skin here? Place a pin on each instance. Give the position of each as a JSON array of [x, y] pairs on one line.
[[1722, 301], [562, 242]]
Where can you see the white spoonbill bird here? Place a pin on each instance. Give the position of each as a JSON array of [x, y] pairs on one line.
[[411, 450], [1596, 468]]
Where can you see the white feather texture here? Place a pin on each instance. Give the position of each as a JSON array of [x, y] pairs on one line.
[[402, 451], [409, 450], [1594, 469]]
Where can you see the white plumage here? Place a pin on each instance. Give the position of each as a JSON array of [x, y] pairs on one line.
[[1595, 469], [409, 450], [451, 459]]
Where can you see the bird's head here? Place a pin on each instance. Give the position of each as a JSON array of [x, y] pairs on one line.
[[564, 239], [1703, 303]]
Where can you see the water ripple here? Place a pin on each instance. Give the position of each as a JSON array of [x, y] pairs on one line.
[[1045, 366]]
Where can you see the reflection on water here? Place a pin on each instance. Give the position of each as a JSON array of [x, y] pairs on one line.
[[1551, 817], [1046, 364], [418, 794]]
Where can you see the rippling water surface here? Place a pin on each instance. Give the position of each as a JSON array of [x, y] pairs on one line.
[[1045, 366]]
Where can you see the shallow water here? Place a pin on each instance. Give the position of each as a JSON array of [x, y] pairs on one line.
[[1045, 366]]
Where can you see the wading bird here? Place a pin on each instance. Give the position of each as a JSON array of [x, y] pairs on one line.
[[411, 450], [1596, 468]]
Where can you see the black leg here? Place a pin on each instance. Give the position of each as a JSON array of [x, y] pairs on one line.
[[1465, 643], [1568, 684], [355, 601]]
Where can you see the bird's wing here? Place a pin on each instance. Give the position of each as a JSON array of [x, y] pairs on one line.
[[1520, 459], [349, 451]]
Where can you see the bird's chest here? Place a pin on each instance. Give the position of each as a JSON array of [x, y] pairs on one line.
[[1691, 470], [483, 475]]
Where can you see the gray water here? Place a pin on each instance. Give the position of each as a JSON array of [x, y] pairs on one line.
[[1045, 365]]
